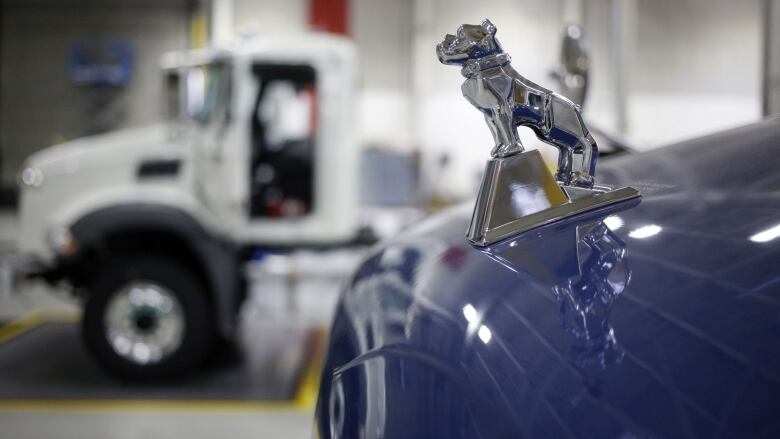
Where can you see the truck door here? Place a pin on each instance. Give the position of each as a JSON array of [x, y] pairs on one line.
[[282, 151], [299, 169]]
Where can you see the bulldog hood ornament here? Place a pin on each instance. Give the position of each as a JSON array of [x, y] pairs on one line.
[[518, 192]]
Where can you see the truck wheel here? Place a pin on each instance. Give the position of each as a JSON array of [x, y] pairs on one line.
[[147, 318]]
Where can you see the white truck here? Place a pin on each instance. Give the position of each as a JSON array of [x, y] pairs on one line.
[[150, 226]]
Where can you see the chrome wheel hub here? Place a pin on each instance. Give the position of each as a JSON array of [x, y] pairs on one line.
[[144, 322]]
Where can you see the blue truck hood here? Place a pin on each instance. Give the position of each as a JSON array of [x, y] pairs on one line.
[[658, 317]]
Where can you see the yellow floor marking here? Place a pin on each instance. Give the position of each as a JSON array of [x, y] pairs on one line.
[[32, 320], [124, 405], [20, 326], [305, 396]]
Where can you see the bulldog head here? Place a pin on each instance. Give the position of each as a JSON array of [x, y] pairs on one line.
[[471, 41]]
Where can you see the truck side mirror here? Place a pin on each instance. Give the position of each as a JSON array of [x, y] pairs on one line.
[[572, 70]]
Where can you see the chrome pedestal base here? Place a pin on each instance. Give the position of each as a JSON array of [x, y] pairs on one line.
[[518, 193]]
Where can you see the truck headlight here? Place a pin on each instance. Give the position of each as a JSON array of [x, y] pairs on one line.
[[62, 241], [31, 177]]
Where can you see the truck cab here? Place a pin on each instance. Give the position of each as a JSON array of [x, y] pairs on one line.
[[149, 226]]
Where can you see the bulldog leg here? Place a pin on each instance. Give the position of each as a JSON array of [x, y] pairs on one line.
[[493, 131], [564, 174], [507, 141], [585, 155], [577, 159]]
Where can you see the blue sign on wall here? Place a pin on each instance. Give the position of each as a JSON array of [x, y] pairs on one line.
[[101, 62]]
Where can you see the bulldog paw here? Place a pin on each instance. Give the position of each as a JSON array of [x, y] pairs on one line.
[[505, 150], [581, 179]]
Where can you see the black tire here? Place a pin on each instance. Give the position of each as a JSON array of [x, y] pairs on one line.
[[198, 335]]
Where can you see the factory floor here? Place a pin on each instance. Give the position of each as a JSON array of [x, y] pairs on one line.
[[265, 386]]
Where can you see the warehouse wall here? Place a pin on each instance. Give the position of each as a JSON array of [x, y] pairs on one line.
[[39, 105], [697, 68], [270, 15], [385, 48], [693, 67]]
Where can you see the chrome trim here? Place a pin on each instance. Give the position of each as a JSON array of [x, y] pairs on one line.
[[508, 100], [556, 213], [518, 193], [144, 323]]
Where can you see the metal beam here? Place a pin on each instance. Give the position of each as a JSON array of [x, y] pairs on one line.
[[623, 20], [770, 72]]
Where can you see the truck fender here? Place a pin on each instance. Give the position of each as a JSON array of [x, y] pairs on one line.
[[216, 258]]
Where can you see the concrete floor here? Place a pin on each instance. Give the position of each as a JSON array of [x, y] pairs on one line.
[[147, 418], [154, 424]]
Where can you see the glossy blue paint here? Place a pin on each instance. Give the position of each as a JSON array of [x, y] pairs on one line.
[[658, 318]]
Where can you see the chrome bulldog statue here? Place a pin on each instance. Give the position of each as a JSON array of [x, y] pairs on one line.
[[508, 100]]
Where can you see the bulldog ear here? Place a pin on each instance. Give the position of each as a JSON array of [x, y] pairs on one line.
[[489, 26]]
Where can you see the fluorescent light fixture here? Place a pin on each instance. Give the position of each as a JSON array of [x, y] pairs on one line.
[[645, 231], [613, 222], [470, 313], [766, 235], [484, 334]]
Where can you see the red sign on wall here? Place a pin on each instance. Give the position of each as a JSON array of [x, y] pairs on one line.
[[329, 16]]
